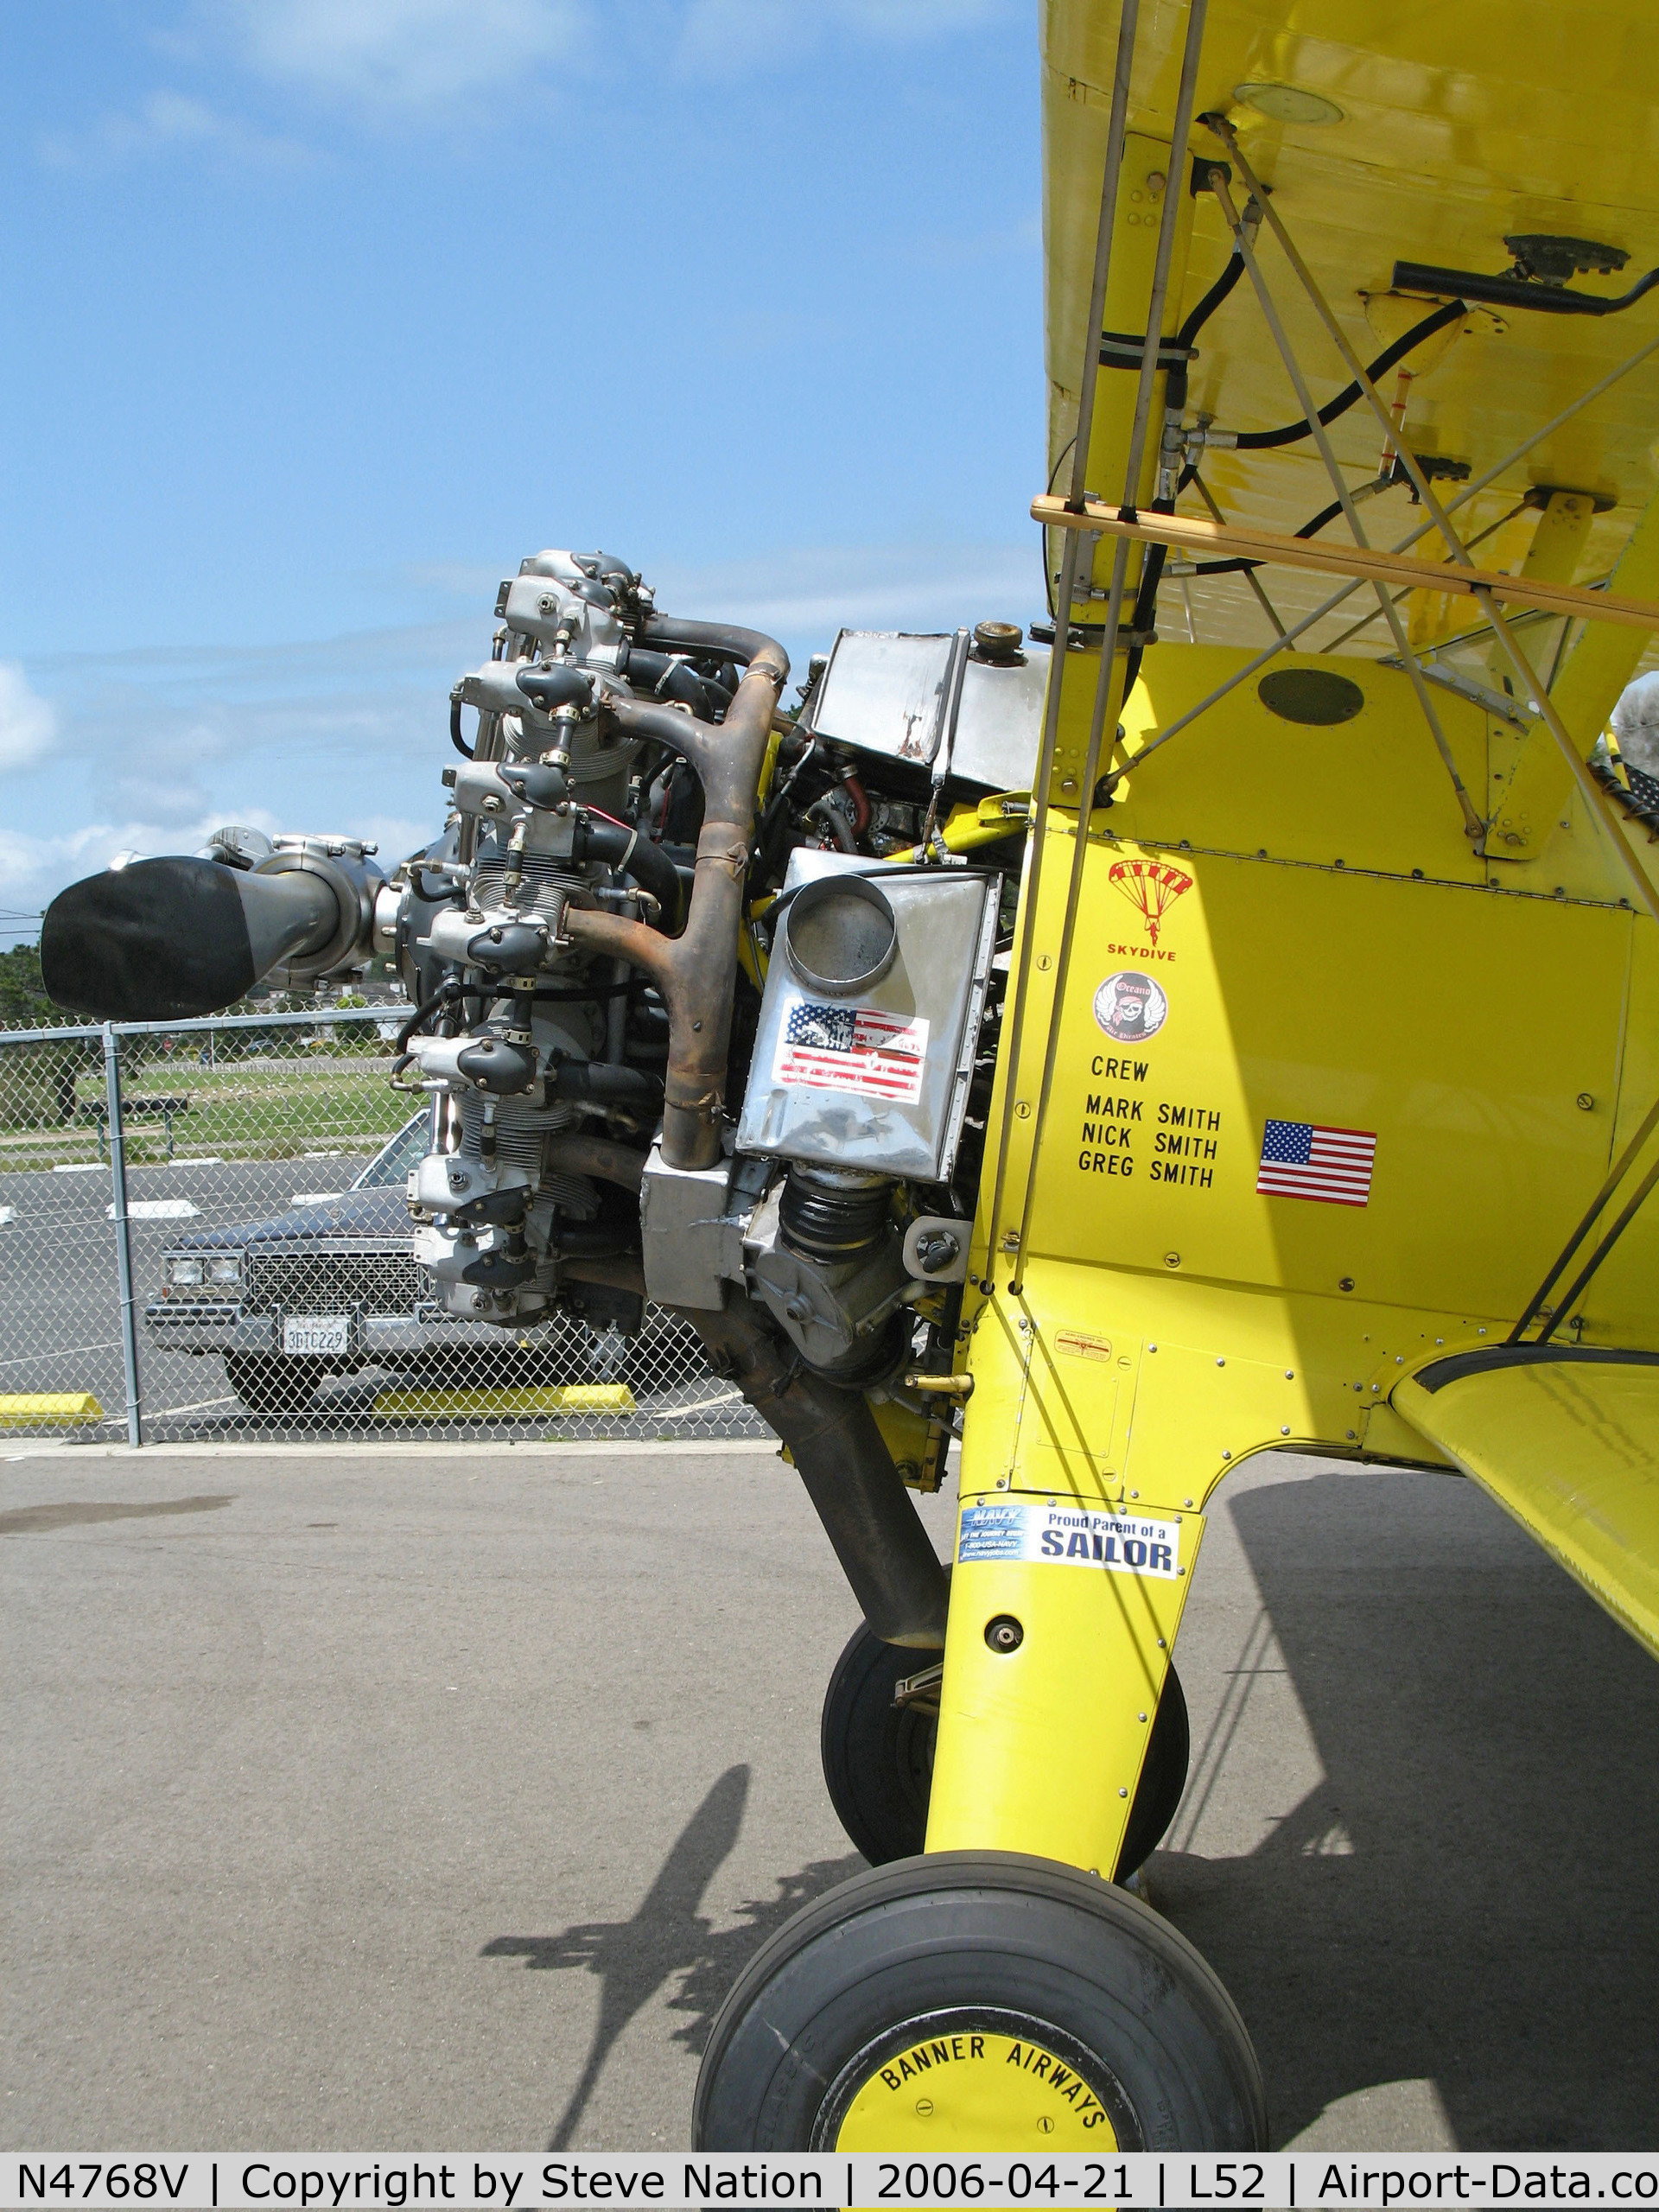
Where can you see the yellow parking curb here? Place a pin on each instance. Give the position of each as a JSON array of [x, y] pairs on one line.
[[42, 1409], [562, 1398]]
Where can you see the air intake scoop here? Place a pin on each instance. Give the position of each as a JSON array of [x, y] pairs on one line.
[[163, 940]]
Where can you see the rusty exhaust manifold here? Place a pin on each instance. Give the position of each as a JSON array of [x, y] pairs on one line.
[[696, 971], [831, 1433]]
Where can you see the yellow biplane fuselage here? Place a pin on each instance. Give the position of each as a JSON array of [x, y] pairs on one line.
[[1367, 1073]]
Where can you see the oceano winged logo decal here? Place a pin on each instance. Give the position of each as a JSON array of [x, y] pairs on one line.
[[1151, 887]]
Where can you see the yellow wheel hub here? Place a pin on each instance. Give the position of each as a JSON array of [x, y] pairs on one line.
[[975, 2090]]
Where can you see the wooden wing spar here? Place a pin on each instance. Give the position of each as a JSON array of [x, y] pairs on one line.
[[1210, 540]]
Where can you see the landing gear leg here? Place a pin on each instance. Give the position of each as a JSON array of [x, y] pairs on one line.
[[880, 1725]]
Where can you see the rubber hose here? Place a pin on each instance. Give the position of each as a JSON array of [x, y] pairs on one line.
[[1287, 434], [1309, 529], [1212, 299], [1510, 291], [632, 853], [830, 819], [670, 678], [606, 1082], [672, 633], [594, 1239], [578, 1154], [447, 992]]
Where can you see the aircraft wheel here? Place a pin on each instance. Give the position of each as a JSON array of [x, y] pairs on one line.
[[979, 2001], [1163, 1777], [878, 1756]]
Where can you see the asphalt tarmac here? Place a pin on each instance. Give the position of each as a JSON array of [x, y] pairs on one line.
[[392, 1798]]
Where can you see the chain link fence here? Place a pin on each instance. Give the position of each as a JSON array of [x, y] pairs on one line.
[[203, 1236]]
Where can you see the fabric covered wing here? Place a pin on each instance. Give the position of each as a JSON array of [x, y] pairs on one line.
[[1567, 1441]]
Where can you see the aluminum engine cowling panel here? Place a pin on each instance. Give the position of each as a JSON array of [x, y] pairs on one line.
[[879, 1080]]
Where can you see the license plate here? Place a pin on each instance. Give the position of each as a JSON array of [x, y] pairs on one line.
[[318, 1332]]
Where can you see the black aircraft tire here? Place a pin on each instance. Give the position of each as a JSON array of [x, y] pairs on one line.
[[979, 2001], [267, 1383], [878, 1758], [1163, 1777]]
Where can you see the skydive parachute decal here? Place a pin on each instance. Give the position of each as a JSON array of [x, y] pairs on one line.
[[1151, 887]]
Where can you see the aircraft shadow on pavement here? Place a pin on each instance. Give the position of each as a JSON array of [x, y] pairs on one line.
[[670, 1936], [1472, 1894]]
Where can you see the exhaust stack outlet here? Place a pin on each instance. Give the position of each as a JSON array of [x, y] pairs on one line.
[[164, 940]]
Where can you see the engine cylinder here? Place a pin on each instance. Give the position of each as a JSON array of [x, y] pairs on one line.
[[520, 1128]]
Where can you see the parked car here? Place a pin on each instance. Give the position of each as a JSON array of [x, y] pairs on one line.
[[332, 1286]]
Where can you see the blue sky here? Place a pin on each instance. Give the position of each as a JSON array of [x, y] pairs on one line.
[[322, 313]]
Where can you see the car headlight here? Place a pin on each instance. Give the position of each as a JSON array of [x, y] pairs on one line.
[[184, 1274], [228, 1269]]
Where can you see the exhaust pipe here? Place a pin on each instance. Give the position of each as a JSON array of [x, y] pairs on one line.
[[696, 971]]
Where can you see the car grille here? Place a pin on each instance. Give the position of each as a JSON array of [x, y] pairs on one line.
[[327, 1281]]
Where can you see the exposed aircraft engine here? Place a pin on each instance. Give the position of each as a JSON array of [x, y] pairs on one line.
[[700, 994]]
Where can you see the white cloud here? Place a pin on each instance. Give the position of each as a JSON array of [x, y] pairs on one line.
[[147, 752], [398, 60], [155, 749], [400, 53], [152, 798], [166, 122], [37, 867], [28, 723], [802, 596], [395, 835]]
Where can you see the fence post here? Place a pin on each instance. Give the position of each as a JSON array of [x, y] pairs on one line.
[[123, 1234]]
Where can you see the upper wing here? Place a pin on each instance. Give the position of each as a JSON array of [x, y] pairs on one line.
[[1447, 130]]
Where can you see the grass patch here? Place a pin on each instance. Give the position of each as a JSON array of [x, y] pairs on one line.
[[246, 1110]]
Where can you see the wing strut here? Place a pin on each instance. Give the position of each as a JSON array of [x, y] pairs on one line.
[[1474, 827], [1043, 775], [1249, 575], [1620, 1168]]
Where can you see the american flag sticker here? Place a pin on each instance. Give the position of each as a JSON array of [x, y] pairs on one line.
[[853, 1048], [1299, 1160]]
